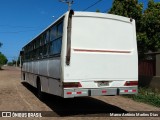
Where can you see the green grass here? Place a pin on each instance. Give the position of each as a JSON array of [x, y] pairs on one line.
[[147, 95]]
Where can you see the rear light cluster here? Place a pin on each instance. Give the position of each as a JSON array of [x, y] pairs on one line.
[[72, 84], [104, 91], [70, 93], [83, 92], [129, 91], [131, 83]]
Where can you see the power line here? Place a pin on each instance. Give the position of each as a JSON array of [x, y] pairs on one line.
[[12, 26], [92, 5], [13, 32]]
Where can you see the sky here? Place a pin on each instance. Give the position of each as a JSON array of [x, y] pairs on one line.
[[22, 20]]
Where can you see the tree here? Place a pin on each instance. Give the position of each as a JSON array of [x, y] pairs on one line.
[[98, 11], [14, 62], [3, 60], [151, 18], [147, 23], [132, 9], [128, 8]]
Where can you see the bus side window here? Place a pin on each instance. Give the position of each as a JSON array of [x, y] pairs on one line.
[[59, 29], [53, 33], [56, 39], [56, 46]]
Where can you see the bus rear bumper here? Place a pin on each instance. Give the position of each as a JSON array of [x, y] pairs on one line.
[[77, 92]]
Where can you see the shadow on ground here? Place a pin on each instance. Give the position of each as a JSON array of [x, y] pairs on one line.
[[77, 106]]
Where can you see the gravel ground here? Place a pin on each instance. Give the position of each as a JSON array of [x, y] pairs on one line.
[[17, 96]]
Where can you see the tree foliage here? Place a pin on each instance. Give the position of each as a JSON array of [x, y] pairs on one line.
[[3, 59], [98, 11], [128, 8], [151, 18], [147, 22]]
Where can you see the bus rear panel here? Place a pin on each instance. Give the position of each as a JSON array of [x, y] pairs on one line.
[[103, 56]]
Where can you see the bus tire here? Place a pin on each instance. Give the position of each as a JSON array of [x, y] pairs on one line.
[[40, 94]]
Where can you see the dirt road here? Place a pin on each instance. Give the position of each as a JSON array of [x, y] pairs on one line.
[[15, 96]]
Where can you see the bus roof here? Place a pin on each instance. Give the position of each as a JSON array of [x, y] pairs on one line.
[[102, 15]]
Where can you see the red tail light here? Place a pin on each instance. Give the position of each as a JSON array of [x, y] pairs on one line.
[[125, 90], [134, 90], [131, 83], [104, 91], [79, 92], [72, 84], [69, 93]]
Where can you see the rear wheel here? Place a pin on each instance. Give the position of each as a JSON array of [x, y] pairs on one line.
[[40, 94]]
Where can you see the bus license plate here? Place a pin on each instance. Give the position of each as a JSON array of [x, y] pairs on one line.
[[103, 84]]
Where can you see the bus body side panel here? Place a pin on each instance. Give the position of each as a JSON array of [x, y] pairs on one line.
[[49, 70], [55, 87], [49, 73]]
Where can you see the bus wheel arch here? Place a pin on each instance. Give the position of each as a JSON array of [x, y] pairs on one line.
[[40, 94], [24, 76], [37, 80]]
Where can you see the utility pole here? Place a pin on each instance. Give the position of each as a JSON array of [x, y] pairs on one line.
[[15, 59], [20, 65], [69, 2]]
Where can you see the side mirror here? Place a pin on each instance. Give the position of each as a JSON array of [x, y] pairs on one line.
[[21, 58], [21, 53]]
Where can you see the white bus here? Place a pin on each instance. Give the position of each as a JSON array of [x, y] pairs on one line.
[[83, 54]]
